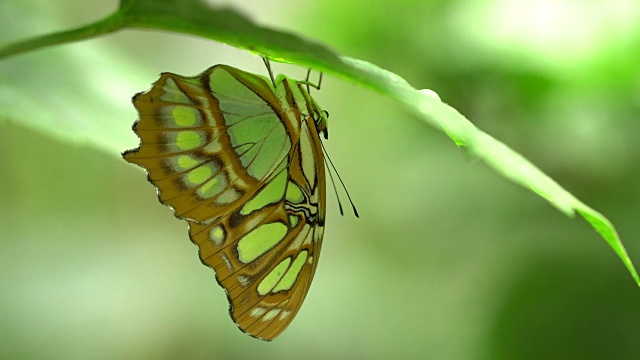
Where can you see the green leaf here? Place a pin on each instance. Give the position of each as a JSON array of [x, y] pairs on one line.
[[227, 26], [79, 93]]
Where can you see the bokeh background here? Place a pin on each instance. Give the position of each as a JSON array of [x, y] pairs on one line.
[[448, 259]]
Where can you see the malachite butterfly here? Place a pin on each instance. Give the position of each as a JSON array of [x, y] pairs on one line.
[[239, 157]]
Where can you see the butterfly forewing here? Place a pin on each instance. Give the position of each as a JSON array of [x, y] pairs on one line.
[[242, 162]]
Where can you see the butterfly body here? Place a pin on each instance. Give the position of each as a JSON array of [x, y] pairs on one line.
[[240, 159]]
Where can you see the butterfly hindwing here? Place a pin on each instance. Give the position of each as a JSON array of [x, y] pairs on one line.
[[242, 162]]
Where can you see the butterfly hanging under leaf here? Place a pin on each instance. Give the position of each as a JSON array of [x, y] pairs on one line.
[[239, 157]]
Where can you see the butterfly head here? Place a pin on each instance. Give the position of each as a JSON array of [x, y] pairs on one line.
[[320, 119]]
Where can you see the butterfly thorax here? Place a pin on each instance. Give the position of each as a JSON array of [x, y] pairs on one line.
[[295, 94]]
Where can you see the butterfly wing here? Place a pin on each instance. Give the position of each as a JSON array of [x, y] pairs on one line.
[[246, 170], [207, 142], [266, 258]]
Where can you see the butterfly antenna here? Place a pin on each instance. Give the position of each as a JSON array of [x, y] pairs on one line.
[[355, 211], [334, 188], [268, 65]]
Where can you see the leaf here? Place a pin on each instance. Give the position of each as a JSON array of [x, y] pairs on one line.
[[227, 26], [35, 90]]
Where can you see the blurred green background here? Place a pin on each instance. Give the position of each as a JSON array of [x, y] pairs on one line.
[[448, 259]]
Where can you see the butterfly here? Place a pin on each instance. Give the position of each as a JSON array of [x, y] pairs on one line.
[[239, 157]]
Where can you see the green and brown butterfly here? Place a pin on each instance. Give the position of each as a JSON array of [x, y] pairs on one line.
[[239, 157]]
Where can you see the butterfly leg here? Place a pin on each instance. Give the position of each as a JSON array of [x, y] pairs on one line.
[[268, 65], [308, 83]]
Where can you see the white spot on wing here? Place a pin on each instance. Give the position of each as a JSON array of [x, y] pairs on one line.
[[285, 314], [258, 311], [226, 261], [271, 314], [243, 280]]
